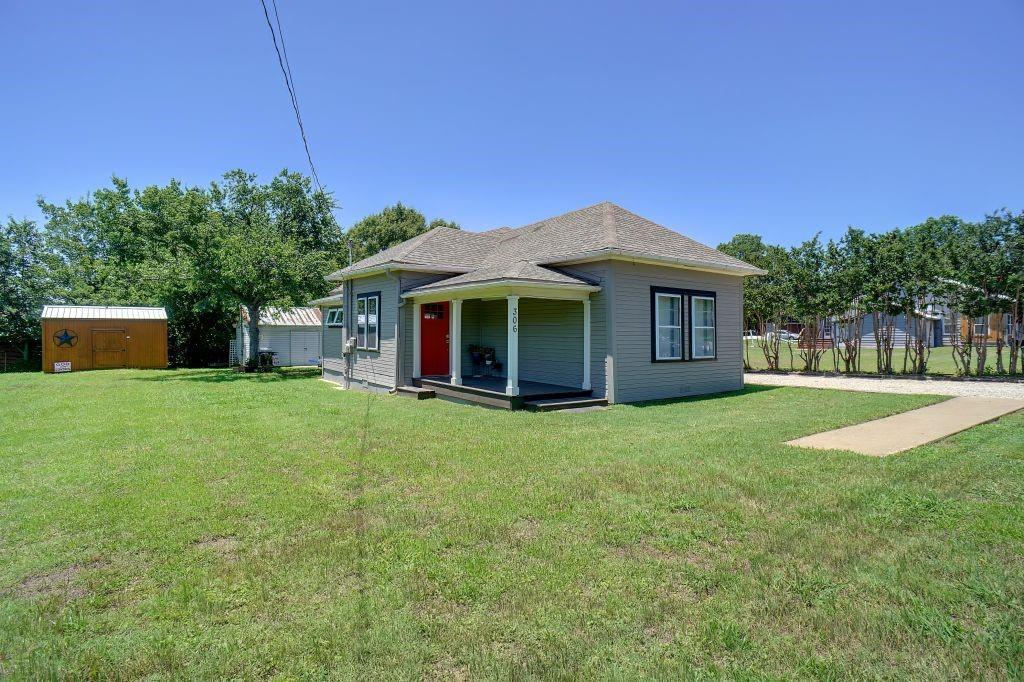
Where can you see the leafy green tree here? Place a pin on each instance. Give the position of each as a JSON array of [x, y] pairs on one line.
[[392, 226], [922, 269], [260, 244], [847, 267], [812, 298], [976, 276], [749, 248], [24, 283]]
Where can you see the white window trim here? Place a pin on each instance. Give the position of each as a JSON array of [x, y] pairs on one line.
[[694, 328], [332, 317], [658, 326], [983, 324], [365, 324]]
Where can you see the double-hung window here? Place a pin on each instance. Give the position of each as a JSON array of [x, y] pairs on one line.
[[683, 325], [335, 317], [980, 326], [668, 311], [367, 321], [702, 325]]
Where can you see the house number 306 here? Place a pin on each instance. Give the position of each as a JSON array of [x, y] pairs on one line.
[[515, 319]]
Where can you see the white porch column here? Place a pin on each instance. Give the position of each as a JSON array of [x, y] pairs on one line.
[[586, 344], [455, 342], [416, 368], [512, 366]]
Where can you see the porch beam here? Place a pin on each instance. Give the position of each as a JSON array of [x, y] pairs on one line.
[[416, 352], [586, 344], [512, 369], [455, 341]]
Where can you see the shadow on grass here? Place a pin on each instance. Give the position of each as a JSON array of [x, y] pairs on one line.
[[747, 390], [217, 376]]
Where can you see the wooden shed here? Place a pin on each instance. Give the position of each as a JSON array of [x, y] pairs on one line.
[[79, 337]]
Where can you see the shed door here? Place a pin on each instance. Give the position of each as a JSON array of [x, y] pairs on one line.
[[109, 348], [305, 348]]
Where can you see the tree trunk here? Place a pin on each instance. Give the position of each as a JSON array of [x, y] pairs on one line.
[[1000, 342], [254, 334]]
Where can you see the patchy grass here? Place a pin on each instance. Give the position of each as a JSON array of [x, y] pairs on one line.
[[211, 524]]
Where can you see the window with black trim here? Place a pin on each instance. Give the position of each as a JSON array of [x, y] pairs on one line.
[[683, 326], [702, 327], [668, 326], [335, 317], [367, 322]]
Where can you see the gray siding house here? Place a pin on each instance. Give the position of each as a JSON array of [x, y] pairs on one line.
[[598, 305]]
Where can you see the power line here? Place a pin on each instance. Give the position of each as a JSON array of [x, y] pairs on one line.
[[286, 71]]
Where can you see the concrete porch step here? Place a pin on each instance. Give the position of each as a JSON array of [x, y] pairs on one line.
[[550, 404], [416, 392]]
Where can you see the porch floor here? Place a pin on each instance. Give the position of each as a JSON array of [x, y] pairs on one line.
[[528, 390]]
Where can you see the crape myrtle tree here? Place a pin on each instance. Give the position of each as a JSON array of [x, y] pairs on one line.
[[764, 297], [847, 266], [920, 281], [883, 292], [975, 269], [812, 299], [1014, 231], [1007, 272]]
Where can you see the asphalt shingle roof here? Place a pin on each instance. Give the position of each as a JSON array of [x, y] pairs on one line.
[[518, 271], [601, 229]]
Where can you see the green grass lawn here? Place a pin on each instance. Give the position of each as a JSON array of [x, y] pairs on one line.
[[940, 360], [209, 524]]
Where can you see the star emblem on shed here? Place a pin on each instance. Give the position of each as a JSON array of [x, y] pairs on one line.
[[65, 338]]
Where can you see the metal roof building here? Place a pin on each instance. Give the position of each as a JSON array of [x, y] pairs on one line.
[[102, 312]]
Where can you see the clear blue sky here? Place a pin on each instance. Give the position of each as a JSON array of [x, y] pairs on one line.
[[782, 118]]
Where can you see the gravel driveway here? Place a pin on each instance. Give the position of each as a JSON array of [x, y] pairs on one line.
[[984, 389]]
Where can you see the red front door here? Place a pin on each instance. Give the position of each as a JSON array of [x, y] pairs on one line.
[[434, 339]]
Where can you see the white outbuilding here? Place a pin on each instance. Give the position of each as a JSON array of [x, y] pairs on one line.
[[293, 334]]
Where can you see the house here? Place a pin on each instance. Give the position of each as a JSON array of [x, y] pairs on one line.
[[925, 322], [292, 334], [596, 305], [103, 337]]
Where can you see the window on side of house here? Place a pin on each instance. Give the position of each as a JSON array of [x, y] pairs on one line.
[[948, 324], [668, 326], [335, 317], [702, 327], [979, 326], [367, 324]]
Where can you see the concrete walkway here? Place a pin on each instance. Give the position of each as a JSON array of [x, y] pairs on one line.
[[981, 389], [908, 430]]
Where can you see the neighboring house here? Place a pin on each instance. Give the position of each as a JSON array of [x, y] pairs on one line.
[[293, 334], [928, 325], [597, 304], [985, 329]]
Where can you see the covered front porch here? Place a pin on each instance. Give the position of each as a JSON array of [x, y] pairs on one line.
[[503, 344]]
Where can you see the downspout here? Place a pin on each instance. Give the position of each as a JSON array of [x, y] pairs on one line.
[[398, 329], [350, 309]]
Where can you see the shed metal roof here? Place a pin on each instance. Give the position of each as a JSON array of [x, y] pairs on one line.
[[102, 312], [287, 317]]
